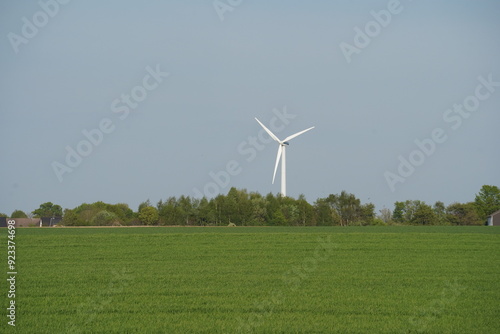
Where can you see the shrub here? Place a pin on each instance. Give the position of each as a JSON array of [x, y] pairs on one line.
[[104, 218]]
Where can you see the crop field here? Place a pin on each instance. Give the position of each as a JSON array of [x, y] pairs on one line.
[[256, 280]]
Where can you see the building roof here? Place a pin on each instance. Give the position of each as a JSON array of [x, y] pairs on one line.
[[494, 213], [25, 222]]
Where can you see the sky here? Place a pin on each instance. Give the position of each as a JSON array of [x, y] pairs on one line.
[[124, 101]]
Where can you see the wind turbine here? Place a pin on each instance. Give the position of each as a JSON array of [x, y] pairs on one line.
[[282, 153]]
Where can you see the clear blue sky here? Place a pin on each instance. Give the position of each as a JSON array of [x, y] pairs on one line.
[[75, 70]]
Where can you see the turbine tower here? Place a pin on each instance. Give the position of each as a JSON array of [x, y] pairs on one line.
[[282, 154]]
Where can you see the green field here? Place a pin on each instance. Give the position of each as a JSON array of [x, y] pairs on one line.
[[261, 280]]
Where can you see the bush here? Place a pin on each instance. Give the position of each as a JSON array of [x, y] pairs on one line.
[[378, 222], [149, 215], [18, 214], [105, 218]]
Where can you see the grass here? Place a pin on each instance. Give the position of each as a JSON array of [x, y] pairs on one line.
[[262, 280]]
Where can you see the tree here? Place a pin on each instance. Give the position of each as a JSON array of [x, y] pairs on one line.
[[462, 214], [105, 218], [278, 218], [71, 218], [148, 215], [3, 215], [349, 208], [241, 207], [18, 214], [306, 211], [206, 212], [169, 212], [86, 212], [258, 210], [100, 213], [272, 205], [291, 212], [124, 213], [326, 214], [48, 210], [398, 213], [218, 204], [423, 215], [186, 209], [344, 209], [367, 213], [385, 215], [440, 212], [404, 212], [487, 201], [143, 205]]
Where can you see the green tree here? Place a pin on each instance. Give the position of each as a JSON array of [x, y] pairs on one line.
[[272, 205], [86, 212], [18, 214], [123, 212], [462, 214], [326, 214], [219, 203], [105, 218], [3, 215], [404, 212], [487, 201], [92, 214], [423, 215], [306, 212], [440, 212], [291, 212], [148, 215], [187, 209], [278, 218], [169, 212], [71, 218], [206, 212], [143, 205], [48, 210], [348, 208], [238, 207], [367, 213], [258, 209], [398, 214]]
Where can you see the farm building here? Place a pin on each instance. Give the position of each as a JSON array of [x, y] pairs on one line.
[[26, 222], [51, 221], [20, 222], [494, 219]]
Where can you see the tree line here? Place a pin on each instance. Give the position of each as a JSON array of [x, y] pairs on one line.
[[242, 208]]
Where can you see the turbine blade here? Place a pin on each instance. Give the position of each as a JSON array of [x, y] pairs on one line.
[[268, 131], [297, 134], [278, 158]]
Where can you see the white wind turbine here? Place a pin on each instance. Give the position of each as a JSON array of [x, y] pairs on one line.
[[282, 153]]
